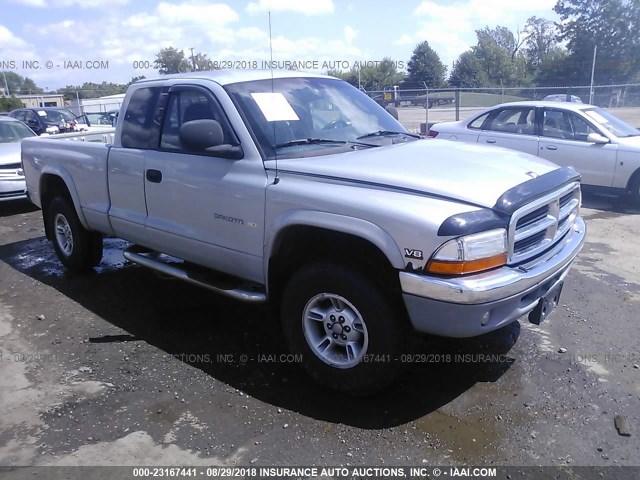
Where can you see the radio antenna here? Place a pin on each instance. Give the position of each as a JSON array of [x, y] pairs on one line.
[[275, 150]]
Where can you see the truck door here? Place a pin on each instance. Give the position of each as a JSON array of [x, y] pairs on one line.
[[203, 208], [140, 133]]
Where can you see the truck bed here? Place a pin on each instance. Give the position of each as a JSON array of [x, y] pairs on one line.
[[80, 159]]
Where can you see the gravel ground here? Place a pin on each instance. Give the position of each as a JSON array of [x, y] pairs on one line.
[[122, 367]]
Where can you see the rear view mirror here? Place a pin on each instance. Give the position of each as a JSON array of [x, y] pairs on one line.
[[597, 138]]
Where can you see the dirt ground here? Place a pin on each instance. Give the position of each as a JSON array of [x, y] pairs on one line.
[[123, 367]]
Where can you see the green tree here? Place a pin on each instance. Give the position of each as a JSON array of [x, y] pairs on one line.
[[611, 25], [18, 84], [425, 66], [467, 71], [170, 60], [540, 41], [499, 56], [9, 103]]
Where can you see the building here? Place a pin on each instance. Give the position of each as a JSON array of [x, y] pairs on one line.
[[42, 100]]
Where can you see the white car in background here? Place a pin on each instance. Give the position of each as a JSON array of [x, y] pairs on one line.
[[12, 182], [602, 148]]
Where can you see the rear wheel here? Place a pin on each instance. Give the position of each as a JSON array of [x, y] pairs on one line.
[[77, 248], [348, 332], [635, 191]]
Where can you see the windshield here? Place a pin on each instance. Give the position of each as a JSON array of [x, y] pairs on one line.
[[612, 123], [13, 132], [309, 109], [56, 116]]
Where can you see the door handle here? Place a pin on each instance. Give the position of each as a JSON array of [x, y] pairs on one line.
[[490, 140], [551, 147], [154, 176]]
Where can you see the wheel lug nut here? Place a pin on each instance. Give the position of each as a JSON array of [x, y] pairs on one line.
[[329, 326], [341, 319], [347, 329], [334, 335], [343, 336], [333, 318]]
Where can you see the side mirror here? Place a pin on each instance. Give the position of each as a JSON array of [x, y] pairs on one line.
[[206, 136], [393, 111], [198, 135], [597, 138]]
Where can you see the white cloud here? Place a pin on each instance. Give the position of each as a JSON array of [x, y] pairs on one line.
[[450, 28], [309, 7], [72, 3], [350, 33]]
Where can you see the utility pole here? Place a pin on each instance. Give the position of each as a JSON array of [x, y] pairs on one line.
[[193, 60], [593, 69], [6, 86]]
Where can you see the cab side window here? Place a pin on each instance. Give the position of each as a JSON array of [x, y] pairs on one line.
[[186, 106], [513, 120]]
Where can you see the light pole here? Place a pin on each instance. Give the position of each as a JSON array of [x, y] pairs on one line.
[[6, 86], [593, 69]]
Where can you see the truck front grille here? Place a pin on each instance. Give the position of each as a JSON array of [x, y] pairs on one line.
[[538, 226]]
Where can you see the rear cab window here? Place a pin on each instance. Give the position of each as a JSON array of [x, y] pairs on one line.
[[140, 129]]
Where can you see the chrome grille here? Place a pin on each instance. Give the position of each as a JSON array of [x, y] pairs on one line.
[[539, 225]]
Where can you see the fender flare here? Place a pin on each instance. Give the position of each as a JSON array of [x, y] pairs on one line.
[[71, 188], [336, 223]]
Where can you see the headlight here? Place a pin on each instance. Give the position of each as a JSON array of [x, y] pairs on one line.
[[471, 253]]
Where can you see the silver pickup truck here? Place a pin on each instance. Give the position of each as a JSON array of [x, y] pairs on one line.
[[300, 190]]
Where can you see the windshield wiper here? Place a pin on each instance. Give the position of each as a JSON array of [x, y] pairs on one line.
[[383, 133], [315, 141]]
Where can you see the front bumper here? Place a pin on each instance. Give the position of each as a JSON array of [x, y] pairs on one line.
[[477, 304], [12, 187]]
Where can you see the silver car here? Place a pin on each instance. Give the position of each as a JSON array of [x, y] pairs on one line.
[[602, 148], [12, 182]]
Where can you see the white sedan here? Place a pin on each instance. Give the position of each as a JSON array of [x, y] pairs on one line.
[[603, 148]]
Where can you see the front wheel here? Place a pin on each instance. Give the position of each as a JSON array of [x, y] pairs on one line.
[[77, 248], [345, 327]]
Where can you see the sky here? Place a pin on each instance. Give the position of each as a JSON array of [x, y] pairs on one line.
[[68, 42]]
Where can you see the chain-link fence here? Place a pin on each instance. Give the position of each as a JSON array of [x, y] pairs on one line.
[[418, 108]]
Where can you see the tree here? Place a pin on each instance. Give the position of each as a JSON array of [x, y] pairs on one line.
[[92, 90], [19, 85], [425, 66], [540, 41], [170, 60], [9, 103], [499, 56], [555, 69], [611, 25], [202, 62], [467, 71]]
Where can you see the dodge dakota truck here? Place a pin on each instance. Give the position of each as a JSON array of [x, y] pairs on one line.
[[300, 190]]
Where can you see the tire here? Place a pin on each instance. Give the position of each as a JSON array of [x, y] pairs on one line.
[[635, 191], [317, 296], [77, 248]]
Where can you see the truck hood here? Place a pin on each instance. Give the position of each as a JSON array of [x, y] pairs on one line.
[[9, 153], [470, 173]]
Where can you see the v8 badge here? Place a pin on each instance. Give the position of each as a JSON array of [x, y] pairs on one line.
[[411, 253]]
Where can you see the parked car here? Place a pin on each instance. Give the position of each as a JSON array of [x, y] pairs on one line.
[[300, 190], [561, 97], [97, 121], [601, 147], [12, 182], [47, 120]]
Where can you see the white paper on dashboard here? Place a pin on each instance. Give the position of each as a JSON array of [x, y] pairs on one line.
[[274, 106]]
